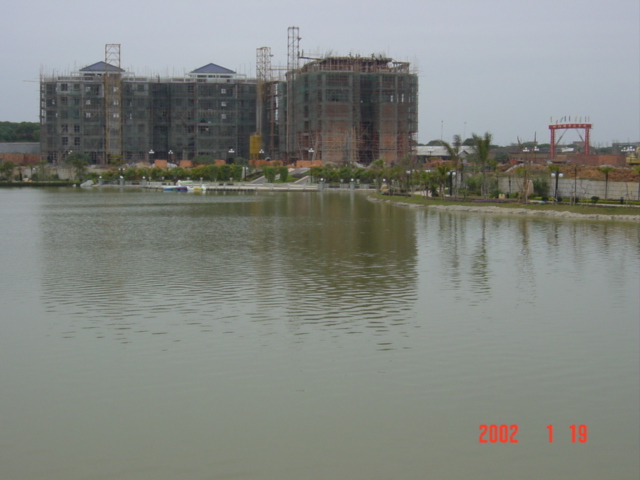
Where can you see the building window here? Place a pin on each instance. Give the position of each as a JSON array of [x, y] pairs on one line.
[[65, 141], [223, 116], [64, 87], [64, 128], [223, 104], [116, 115], [76, 129], [76, 141], [87, 114], [87, 102], [223, 91], [63, 100]]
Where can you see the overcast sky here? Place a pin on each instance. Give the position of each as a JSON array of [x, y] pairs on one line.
[[503, 66]]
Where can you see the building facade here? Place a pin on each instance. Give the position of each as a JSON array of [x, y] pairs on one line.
[[349, 109], [115, 116]]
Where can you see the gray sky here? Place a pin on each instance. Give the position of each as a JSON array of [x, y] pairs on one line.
[[503, 66]]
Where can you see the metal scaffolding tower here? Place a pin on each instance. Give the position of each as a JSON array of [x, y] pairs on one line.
[[112, 103], [293, 64]]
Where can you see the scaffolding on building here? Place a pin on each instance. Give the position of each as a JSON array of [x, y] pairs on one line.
[[112, 104], [113, 115], [351, 109]]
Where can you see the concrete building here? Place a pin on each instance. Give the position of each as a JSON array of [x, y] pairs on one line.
[[348, 109], [111, 114]]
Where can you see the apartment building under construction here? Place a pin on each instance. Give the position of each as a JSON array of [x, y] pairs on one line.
[[113, 115], [334, 109], [345, 110]]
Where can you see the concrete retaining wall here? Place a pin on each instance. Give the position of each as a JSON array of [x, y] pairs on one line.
[[583, 188]]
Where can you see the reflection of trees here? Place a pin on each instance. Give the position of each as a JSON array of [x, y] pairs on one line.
[[451, 237], [480, 264], [525, 277]]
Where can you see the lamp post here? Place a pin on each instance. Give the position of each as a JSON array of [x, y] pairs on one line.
[[151, 152], [170, 155], [556, 175], [452, 174], [230, 159], [311, 152]]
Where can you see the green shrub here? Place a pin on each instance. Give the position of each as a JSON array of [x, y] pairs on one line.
[[540, 187], [595, 199], [269, 174]]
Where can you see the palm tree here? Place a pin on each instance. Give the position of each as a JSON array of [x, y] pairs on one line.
[[606, 169], [378, 166], [482, 146], [442, 172], [454, 150]]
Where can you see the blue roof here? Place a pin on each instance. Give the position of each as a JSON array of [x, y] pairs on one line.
[[101, 67], [213, 68]]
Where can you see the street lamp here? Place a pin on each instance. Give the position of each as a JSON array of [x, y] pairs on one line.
[[452, 174], [170, 155], [151, 152], [311, 152], [556, 175], [231, 152]]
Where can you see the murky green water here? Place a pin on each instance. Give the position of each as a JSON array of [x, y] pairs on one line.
[[311, 336]]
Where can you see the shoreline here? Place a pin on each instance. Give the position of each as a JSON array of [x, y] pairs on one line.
[[490, 209]]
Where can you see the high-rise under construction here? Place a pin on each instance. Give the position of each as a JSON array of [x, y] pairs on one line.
[[114, 116], [349, 109], [338, 109]]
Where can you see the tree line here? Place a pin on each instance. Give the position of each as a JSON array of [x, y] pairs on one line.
[[12, 132]]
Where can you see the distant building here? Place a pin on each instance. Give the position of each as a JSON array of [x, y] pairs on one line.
[[429, 153], [348, 109], [110, 114]]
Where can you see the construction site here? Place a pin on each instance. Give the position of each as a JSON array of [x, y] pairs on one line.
[[338, 109], [317, 109], [115, 116]]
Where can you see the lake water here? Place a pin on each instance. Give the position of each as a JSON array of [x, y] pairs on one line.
[[150, 335]]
